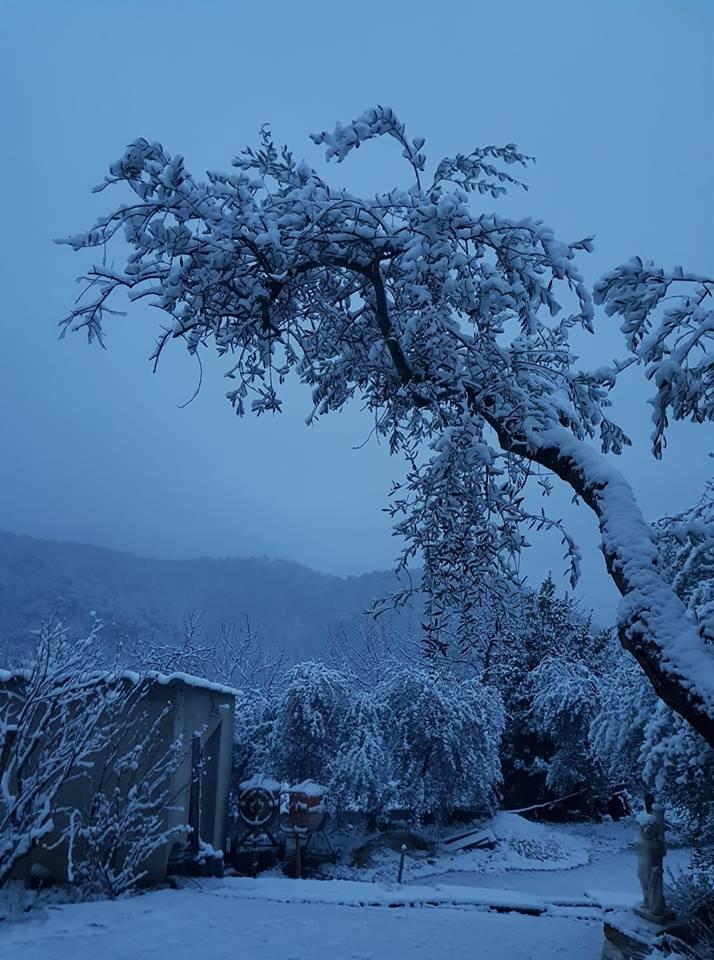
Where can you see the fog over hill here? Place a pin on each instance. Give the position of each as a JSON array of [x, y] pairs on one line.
[[291, 606]]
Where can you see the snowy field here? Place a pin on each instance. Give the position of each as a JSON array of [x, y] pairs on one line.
[[466, 905]]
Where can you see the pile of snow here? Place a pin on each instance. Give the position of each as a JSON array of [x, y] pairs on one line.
[[520, 845], [524, 845]]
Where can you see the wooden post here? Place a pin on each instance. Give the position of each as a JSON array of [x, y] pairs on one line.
[[401, 863], [298, 864], [194, 809]]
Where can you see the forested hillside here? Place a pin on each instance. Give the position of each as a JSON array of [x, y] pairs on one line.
[[291, 606]]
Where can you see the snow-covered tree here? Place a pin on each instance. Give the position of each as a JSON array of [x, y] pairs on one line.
[[641, 740], [309, 722], [443, 737], [644, 745], [361, 775], [452, 325], [231, 655], [542, 656], [565, 697], [255, 712]]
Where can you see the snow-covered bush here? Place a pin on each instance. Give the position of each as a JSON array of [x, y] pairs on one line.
[[691, 896], [55, 718], [361, 775], [443, 737], [252, 733], [69, 727], [111, 842], [308, 722]]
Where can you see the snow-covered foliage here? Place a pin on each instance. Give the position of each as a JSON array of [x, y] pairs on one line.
[[64, 718], [691, 895], [645, 745], [565, 696], [444, 739], [674, 347], [254, 723], [309, 722], [361, 774], [418, 741], [687, 548], [452, 325], [111, 843], [545, 660]]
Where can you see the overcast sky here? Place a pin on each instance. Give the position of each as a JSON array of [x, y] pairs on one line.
[[613, 98]]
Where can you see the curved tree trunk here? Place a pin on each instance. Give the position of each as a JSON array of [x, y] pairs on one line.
[[652, 620]]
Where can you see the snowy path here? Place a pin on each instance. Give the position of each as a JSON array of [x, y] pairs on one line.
[[197, 924], [611, 870], [362, 894]]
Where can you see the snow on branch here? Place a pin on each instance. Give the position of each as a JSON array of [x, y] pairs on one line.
[[668, 323]]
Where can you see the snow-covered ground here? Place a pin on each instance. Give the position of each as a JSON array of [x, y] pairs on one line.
[[456, 906], [537, 857], [200, 923], [590, 857]]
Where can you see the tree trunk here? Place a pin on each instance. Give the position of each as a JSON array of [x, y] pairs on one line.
[[652, 620]]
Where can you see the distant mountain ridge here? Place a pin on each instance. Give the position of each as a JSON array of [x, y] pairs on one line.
[[290, 605]]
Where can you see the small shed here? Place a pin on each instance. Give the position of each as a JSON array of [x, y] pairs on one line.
[[195, 711]]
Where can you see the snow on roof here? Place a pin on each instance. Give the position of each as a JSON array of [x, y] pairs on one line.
[[163, 679]]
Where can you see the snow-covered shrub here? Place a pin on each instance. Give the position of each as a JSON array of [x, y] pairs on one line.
[[691, 896], [111, 842], [308, 722], [525, 845], [55, 719], [361, 774], [443, 737]]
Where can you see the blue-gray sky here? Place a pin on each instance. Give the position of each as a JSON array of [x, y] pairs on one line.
[[613, 97]]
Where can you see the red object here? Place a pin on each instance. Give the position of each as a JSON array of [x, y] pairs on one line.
[[303, 812]]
